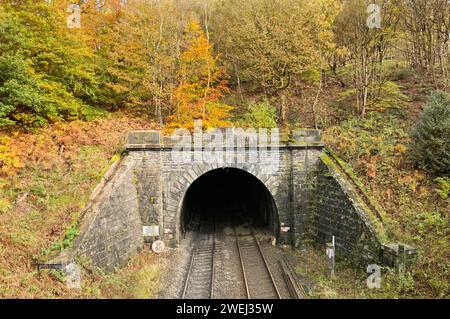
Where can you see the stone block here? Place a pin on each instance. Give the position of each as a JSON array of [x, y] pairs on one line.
[[149, 138]]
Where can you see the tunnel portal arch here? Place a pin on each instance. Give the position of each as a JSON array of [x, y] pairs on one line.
[[238, 190]]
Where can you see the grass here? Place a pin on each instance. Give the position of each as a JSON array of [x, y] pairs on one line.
[[41, 199], [139, 279], [415, 212], [350, 282], [64, 243], [144, 283]]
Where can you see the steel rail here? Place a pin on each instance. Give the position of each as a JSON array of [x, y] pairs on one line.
[[267, 266], [191, 263], [242, 264]]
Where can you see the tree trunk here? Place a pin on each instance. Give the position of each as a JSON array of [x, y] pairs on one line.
[[283, 109], [316, 100], [238, 79]]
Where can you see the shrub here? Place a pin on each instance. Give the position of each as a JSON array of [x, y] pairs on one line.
[[430, 147], [10, 157], [260, 115], [443, 188]]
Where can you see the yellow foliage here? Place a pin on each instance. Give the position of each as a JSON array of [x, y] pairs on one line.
[[400, 149], [412, 181], [5, 205], [10, 157], [201, 84]]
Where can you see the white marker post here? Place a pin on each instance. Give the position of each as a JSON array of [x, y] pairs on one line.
[[330, 251]]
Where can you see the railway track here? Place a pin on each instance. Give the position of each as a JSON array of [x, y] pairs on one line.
[[296, 290], [199, 283], [258, 279], [254, 270]]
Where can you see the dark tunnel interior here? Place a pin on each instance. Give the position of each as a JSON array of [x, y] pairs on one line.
[[229, 197]]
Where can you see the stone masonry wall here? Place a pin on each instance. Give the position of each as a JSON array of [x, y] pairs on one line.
[[111, 231], [334, 209], [303, 162]]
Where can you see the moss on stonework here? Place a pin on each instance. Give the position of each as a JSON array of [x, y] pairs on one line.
[[366, 251], [116, 157], [357, 182], [375, 217], [135, 177]]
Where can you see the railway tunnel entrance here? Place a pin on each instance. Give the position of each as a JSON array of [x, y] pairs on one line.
[[229, 197]]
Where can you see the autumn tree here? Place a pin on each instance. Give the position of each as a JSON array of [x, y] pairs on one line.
[[366, 47], [270, 44], [46, 72], [201, 83], [140, 53], [426, 30]]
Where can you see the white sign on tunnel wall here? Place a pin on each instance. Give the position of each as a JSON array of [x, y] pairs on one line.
[[150, 231], [285, 229]]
